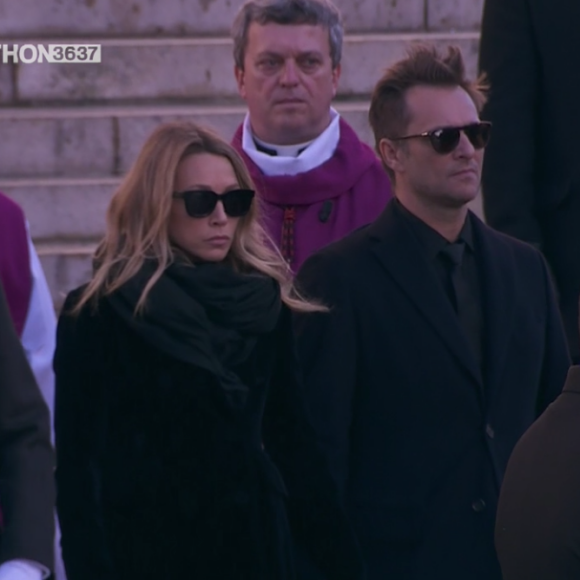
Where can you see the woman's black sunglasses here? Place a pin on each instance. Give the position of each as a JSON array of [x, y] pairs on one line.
[[201, 203], [446, 139]]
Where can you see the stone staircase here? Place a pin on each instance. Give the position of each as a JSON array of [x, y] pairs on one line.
[[68, 132]]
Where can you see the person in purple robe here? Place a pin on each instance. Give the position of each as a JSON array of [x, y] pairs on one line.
[[317, 180], [15, 274], [32, 313]]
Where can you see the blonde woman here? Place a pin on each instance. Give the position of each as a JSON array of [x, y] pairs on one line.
[[183, 448]]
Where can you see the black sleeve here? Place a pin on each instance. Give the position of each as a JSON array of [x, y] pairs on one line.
[[78, 410], [327, 351], [508, 56], [26, 455], [318, 522], [556, 357]]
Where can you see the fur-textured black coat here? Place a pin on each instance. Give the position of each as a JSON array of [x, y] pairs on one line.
[[158, 477]]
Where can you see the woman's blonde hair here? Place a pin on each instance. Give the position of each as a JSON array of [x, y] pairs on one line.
[[138, 217]]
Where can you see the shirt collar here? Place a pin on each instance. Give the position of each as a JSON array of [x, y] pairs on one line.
[[316, 153], [432, 241], [281, 150]]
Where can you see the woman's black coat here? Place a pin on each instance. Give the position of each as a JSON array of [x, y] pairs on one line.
[[159, 477]]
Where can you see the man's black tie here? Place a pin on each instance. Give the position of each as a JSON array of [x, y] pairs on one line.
[[453, 256], [460, 293]]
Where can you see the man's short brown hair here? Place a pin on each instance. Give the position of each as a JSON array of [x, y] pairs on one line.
[[424, 65]]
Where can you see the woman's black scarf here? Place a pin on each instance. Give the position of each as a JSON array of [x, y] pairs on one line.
[[207, 315]]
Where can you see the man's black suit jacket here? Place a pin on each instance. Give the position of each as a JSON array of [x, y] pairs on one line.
[[531, 176], [417, 439]]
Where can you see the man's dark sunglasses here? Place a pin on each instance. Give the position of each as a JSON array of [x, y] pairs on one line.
[[446, 139], [201, 202]]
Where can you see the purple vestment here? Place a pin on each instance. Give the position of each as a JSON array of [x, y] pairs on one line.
[[14, 261], [307, 211]]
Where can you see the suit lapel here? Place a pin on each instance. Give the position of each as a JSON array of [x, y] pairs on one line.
[[498, 290], [400, 253]]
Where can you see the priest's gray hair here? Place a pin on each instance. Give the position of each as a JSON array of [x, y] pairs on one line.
[[316, 12]]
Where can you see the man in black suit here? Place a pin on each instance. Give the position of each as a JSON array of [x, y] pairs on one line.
[[27, 492], [531, 180], [443, 341]]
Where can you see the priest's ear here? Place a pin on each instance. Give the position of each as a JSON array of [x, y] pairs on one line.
[[393, 154], [241, 81]]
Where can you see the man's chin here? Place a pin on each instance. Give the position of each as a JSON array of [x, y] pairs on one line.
[[461, 198], [293, 129], [457, 199], [291, 119]]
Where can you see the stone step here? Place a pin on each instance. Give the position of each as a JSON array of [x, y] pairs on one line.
[[192, 17], [149, 69], [65, 210], [105, 140], [68, 265]]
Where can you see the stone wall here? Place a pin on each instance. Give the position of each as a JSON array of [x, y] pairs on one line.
[[68, 132]]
